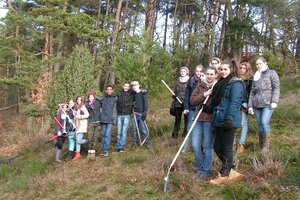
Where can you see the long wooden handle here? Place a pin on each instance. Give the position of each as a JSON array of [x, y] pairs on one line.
[[171, 91]]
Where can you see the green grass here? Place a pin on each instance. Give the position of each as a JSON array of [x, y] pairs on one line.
[[241, 191], [290, 85]]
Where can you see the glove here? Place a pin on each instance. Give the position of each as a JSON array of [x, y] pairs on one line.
[[185, 112], [144, 115], [227, 124], [59, 133], [173, 96], [144, 91], [273, 105], [251, 111]]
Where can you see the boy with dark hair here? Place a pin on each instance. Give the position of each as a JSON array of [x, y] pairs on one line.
[[108, 117], [124, 109]]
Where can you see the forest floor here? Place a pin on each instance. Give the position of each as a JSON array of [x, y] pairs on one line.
[[139, 174]]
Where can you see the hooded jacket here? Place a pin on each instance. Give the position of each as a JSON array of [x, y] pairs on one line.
[[230, 105]]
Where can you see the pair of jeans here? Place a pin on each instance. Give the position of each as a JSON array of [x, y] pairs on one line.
[[71, 136], [123, 125], [202, 134], [263, 117], [93, 136], [244, 131], [79, 141], [178, 113], [223, 146], [139, 123], [106, 135], [190, 117]]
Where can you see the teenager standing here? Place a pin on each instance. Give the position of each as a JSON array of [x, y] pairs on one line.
[[263, 99]]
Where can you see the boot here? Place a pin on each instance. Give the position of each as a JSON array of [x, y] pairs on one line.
[[57, 155], [70, 156], [234, 175], [266, 143], [240, 148], [77, 155], [174, 135], [219, 180]]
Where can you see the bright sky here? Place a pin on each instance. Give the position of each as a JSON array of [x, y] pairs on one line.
[[3, 10]]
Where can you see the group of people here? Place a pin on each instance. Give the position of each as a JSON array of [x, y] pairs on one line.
[[81, 122], [225, 94]]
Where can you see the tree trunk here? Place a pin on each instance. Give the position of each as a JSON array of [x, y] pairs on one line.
[[110, 77], [213, 29], [166, 25], [222, 36], [59, 50], [175, 40]]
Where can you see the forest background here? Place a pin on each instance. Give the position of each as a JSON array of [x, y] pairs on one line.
[[53, 50]]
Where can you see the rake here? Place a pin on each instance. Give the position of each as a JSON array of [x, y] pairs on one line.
[[167, 178]]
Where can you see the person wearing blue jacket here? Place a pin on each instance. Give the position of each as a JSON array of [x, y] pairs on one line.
[[226, 103], [108, 117]]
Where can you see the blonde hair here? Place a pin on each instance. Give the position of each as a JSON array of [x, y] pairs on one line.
[[248, 74]]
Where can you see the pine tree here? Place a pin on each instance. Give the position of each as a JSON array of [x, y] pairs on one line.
[[76, 79]]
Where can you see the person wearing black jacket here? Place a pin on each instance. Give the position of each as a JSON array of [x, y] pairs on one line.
[[93, 106], [124, 110], [140, 113]]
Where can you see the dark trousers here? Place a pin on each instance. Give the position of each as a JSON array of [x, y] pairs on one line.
[[60, 142], [223, 147], [178, 114], [93, 135]]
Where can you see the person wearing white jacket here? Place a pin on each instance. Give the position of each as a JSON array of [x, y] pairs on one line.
[[81, 115]]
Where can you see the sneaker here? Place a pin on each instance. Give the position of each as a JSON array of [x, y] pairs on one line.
[[240, 148], [219, 180], [200, 177], [105, 154], [120, 150]]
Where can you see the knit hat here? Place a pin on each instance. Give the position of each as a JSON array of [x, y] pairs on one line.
[[186, 69], [134, 83]]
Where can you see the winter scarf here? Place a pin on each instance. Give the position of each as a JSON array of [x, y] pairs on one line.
[[209, 85], [183, 79], [91, 103], [219, 89], [257, 74], [194, 80]]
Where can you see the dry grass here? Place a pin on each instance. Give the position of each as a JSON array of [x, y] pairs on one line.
[[139, 174], [266, 168]]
